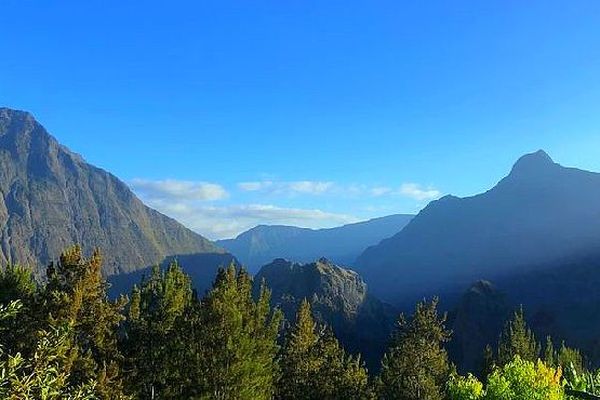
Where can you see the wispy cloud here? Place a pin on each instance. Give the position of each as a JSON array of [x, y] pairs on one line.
[[418, 192], [193, 203], [288, 188], [219, 222], [178, 190], [379, 191], [411, 190]]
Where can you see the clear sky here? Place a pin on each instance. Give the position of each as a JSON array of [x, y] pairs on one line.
[[226, 114]]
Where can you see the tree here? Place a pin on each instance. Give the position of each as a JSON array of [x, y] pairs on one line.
[[44, 375], [154, 343], [522, 379], [518, 379], [517, 340], [488, 362], [238, 340], [549, 352], [569, 358], [298, 365], [76, 295], [17, 284], [416, 365], [315, 366], [464, 388]]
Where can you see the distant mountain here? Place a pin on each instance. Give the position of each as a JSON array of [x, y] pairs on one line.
[[51, 198], [560, 299], [264, 243], [477, 321], [539, 214], [339, 298]]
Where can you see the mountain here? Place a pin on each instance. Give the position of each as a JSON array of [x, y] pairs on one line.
[[540, 213], [476, 322], [51, 198], [339, 298], [264, 243]]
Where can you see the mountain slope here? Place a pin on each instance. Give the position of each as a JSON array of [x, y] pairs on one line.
[[339, 298], [51, 198], [263, 243], [541, 212]]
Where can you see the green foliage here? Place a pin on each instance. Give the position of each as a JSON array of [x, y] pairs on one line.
[[522, 379], [582, 383], [44, 375], [75, 295], [154, 344], [517, 340], [416, 365], [239, 340], [464, 388], [17, 284], [315, 366], [569, 358], [517, 380]]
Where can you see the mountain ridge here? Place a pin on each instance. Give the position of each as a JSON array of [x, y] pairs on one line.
[[51, 198], [540, 212], [342, 244]]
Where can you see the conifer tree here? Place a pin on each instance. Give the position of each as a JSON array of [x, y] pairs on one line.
[[416, 365], [239, 340], [517, 339], [315, 366], [154, 343], [549, 352], [76, 295], [488, 363], [569, 358]]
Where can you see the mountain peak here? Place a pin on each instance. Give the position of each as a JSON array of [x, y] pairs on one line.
[[533, 162]]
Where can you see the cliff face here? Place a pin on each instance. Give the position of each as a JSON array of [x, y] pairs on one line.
[[339, 298], [51, 198]]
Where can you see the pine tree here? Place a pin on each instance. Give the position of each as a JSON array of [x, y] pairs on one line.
[[155, 349], [549, 352], [569, 358], [299, 367], [517, 339], [76, 295], [239, 340], [315, 366], [487, 364], [416, 365]]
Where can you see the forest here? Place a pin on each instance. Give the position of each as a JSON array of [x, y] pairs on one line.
[[62, 337]]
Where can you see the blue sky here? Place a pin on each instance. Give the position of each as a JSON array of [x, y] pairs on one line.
[[316, 113]]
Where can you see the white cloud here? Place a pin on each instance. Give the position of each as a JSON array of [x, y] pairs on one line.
[[379, 191], [418, 192], [288, 188], [217, 222], [314, 188], [178, 190]]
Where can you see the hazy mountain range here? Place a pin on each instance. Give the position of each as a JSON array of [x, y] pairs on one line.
[[260, 245], [540, 213], [534, 238]]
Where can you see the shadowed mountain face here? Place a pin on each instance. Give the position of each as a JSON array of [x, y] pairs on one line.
[[263, 243], [51, 198], [338, 297], [476, 322], [540, 213]]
